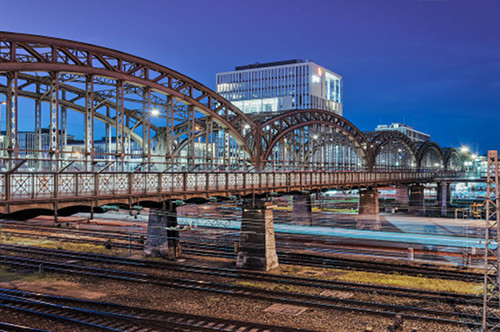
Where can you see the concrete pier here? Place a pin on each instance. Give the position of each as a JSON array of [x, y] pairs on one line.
[[368, 201], [443, 197], [417, 200], [257, 250], [302, 209], [161, 240], [401, 195]]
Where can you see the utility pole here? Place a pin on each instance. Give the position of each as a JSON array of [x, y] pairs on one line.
[[491, 291]]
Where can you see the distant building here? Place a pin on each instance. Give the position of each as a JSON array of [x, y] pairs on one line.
[[104, 146], [283, 85], [414, 135], [28, 144]]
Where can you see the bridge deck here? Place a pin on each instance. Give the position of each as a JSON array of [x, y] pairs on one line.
[[21, 191]]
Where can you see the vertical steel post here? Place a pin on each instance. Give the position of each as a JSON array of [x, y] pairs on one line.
[[64, 125], [89, 120], [169, 148], [38, 127], [491, 290], [12, 117], [146, 126], [107, 134], [127, 137], [211, 141], [54, 120], [120, 151], [191, 140]]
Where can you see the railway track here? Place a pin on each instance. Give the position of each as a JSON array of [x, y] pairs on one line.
[[263, 277], [115, 317], [284, 256], [323, 261], [6, 327], [457, 316]]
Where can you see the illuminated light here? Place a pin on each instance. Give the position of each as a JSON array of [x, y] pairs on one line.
[[474, 156], [3, 103], [246, 126], [320, 72], [155, 112], [464, 149], [316, 79], [315, 136]]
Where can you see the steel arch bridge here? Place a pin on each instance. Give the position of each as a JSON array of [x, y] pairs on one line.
[[136, 115]]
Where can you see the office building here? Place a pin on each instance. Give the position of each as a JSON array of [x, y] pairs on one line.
[[28, 143], [283, 85]]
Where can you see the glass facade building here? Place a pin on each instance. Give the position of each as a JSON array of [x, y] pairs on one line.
[[279, 86]]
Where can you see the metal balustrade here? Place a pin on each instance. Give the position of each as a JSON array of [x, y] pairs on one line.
[[36, 186]]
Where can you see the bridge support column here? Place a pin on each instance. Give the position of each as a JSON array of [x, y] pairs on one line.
[[368, 201], [257, 242], [160, 241], [401, 195], [302, 209], [443, 196], [417, 199]]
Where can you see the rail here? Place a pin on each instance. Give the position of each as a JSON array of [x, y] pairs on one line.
[[34, 186]]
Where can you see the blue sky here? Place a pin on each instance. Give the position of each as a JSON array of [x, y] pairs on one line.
[[432, 64]]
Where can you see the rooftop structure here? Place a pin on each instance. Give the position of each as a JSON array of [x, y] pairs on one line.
[[415, 135]]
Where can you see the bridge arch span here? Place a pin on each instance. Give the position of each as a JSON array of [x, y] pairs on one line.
[[453, 160], [430, 157], [123, 78], [314, 135], [393, 150]]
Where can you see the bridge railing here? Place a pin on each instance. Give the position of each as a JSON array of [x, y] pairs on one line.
[[43, 186]]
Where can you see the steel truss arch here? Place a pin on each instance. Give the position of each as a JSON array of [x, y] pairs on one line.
[[387, 136], [31, 53], [405, 147], [274, 129], [430, 156], [452, 159]]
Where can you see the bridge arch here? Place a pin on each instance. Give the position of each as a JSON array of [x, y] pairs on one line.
[[430, 157], [300, 136], [130, 82], [393, 150], [452, 159]]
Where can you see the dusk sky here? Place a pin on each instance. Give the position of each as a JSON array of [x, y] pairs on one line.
[[432, 64]]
